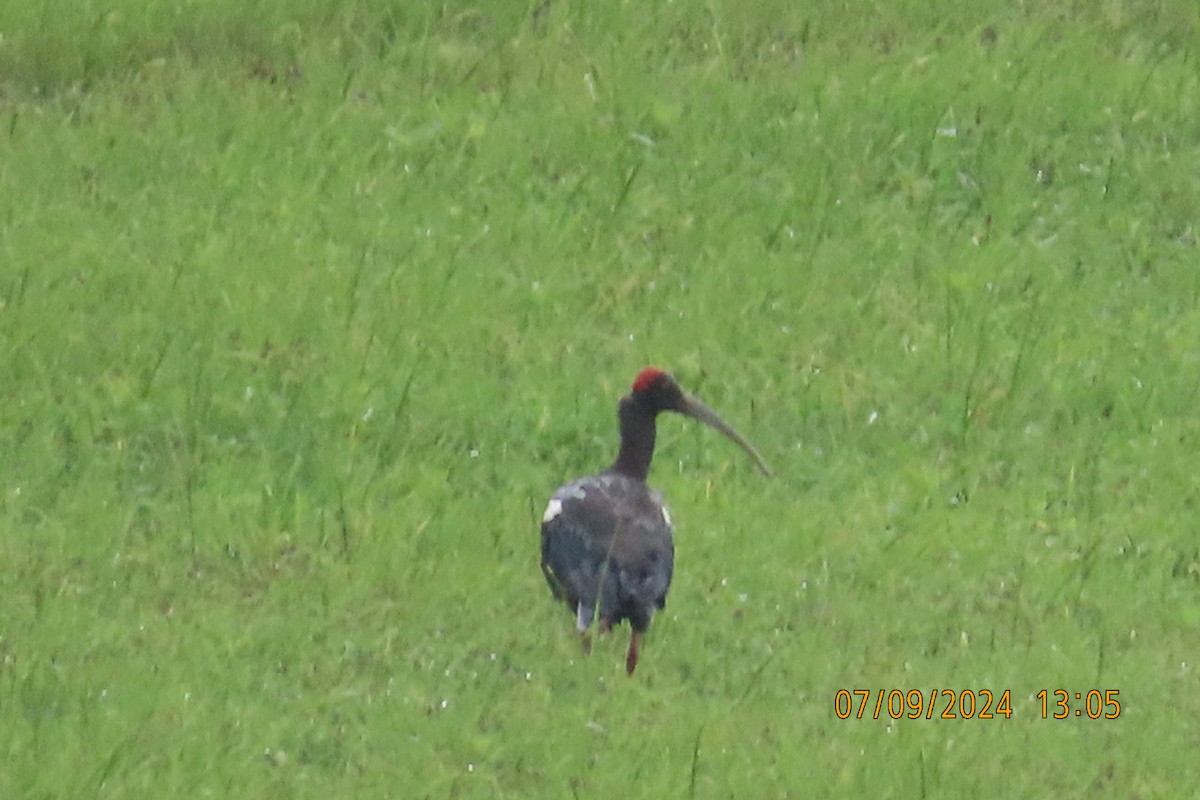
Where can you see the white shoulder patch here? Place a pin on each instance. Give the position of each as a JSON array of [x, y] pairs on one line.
[[552, 510], [666, 516]]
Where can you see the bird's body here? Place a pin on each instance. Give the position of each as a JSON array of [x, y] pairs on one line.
[[606, 538], [606, 543]]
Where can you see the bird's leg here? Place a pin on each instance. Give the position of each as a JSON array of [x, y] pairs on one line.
[[604, 626], [583, 621], [631, 658]]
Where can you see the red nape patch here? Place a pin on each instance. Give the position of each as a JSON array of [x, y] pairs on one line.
[[646, 378]]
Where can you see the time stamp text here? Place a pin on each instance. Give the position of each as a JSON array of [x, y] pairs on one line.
[[972, 704]]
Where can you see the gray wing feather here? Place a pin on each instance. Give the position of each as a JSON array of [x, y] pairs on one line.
[[608, 542]]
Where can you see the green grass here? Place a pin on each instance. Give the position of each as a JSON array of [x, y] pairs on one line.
[[306, 308]]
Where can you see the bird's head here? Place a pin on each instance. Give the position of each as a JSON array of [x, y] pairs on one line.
[[658, 391]]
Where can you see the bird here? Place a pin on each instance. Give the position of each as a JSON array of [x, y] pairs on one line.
[[606, 538]]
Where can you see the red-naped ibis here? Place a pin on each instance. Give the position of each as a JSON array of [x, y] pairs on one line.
[[606, 539]]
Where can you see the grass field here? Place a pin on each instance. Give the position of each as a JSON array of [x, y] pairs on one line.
[[306, 308]]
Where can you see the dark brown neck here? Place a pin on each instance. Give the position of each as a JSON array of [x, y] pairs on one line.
[[637, 439]]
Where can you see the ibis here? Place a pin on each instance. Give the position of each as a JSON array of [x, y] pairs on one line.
[[606, 539]]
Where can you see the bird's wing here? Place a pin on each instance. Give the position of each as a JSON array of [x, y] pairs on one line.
[[576, 537], [607, 530]]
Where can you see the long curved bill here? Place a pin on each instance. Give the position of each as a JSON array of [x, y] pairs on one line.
[[692, 407]]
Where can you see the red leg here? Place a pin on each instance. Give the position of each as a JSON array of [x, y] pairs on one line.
[[586, 640], [631, 659]]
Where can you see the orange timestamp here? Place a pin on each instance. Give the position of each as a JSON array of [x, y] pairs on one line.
[[916, 704], [1093, 704], [970, 704]]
